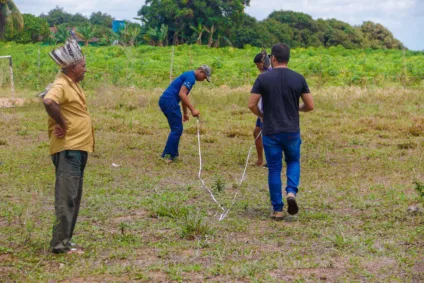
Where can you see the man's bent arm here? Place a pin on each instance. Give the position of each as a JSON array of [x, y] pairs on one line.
[[184, 99], [53, 109], [253, 104], [308, 102], [184, 109]]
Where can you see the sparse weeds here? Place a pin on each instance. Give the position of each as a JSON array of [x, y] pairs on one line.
[[219, 184], [170, 209], [151, 221], [194, 226], [419, 187]]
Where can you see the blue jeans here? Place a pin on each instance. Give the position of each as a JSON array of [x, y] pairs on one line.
[[172, 112], [275, 145]]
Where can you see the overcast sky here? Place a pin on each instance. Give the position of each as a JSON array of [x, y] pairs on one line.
[[404, 18]]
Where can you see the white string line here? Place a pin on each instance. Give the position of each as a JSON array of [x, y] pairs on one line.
[[242, 177], [200, 173]]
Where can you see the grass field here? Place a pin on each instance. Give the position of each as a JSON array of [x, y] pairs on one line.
[[148, 67], [362, 168]]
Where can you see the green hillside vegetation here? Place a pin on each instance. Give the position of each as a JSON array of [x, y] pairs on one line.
[[204, 22], [149, 67]]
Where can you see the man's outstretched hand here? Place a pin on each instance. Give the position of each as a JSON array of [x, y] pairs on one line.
[[195, 113]]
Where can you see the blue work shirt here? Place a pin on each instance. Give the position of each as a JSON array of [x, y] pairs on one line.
[[187, 79]]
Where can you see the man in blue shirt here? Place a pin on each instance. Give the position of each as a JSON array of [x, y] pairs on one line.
[[281, 89], [169, 101]]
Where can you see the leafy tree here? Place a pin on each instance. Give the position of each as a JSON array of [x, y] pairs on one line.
[[187, 17], [305, 29], [280, 32], [173, 14], [86, 32], [34, 30], [340, 33], [101, 19], [219, 16], [57, 16], [78, 20], [377, 36], [9, 16], [246, 33]]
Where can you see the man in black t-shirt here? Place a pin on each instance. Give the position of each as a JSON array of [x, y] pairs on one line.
[[281, 89]]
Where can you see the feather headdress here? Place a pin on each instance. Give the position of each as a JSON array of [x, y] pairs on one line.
[[67, 55]]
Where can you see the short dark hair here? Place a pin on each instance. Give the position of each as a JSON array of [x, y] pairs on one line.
[[258, 58], [281, 52]]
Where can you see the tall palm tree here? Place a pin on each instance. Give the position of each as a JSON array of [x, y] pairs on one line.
[[9, 16]]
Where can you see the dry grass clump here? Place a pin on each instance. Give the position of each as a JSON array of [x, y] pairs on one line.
[[417, 128]]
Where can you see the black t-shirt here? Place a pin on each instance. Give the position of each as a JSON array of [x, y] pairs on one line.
[[281, 89]]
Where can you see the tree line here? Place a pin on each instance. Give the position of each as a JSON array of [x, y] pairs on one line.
[[214, 23]]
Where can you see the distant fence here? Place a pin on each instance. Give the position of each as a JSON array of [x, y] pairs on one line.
[[3, 75]]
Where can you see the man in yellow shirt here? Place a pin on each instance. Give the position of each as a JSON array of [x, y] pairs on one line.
[[71, 137]]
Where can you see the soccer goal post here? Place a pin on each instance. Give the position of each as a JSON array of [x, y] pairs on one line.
[[12, 85]]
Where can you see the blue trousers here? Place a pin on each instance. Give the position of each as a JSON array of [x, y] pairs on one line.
[[172, 111], [275, 145]]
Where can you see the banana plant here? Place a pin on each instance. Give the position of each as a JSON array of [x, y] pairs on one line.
[[199, 31], [86, 32]]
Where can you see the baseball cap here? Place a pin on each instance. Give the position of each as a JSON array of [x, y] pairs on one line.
[[207, 70]]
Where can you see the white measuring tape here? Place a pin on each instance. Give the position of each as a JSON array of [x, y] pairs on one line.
[[200, 174], [242, 176], [225, 212]]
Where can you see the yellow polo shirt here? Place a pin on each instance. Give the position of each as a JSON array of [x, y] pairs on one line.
[[71, 99]]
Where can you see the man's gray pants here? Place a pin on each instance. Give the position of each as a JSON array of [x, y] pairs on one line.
[[70, 165]]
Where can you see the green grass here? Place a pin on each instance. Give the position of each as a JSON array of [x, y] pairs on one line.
[[149, 67], [362, 167]]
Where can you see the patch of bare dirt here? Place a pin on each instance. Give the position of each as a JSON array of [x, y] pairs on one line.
[[97, 279], [5, 257], [377, 264], [11, 102], [6, 273], [133, 216], [418, 272], [320, 273]]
